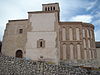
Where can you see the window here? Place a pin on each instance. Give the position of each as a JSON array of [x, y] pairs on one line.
[[88, 33], [45, 8], [88, 43], [78, 51], [63, 34], [71, 51], [84, 43], [20, 30], [53, 8], [64, 51], [83, 33], [40, 43], [70, 34], [77, 34], [91, 34]]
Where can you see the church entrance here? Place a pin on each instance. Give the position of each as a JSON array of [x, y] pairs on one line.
[[19, 54]]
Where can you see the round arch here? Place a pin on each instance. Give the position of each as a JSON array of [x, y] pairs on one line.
[[19, 54]]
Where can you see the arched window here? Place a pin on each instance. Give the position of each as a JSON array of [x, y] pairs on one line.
[[88, 33], [78, 51], [64, 51], [45, 8], [84, 43], [83, 33], [85, 54], [19, 53], [71, 51], [77, 34], [70, 34], [53, 8], [89, 43], [90, 53], [40, 43], [63, 34], [91, 34]]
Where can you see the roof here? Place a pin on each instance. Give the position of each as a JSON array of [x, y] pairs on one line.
[[50, 3], [43, 11], [62, 23], [18, 20], [87, 24], [97, 44]]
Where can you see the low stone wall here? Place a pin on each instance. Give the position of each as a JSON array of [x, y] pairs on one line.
[[17, 66], [87, 63]]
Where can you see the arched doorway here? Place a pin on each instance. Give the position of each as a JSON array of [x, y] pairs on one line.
[[19, 54]]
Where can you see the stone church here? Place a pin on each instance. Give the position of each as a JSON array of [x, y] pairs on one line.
[[44, 36]]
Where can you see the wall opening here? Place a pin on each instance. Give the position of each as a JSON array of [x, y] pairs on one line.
[[20, 31], [53, 8], [40, 43], [19, 54], [45, 8]]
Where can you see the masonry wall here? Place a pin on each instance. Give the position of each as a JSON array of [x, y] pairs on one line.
[[98, 55], [13, 40], [62, 40], [77, 41], [42, 27]]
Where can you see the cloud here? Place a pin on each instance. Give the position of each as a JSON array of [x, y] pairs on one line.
[[70, 8], [97, 22], [91, 5], [83, 18], [97, 15], [17, 9]]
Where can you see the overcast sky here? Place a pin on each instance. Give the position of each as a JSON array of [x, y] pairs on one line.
[[70, 10]]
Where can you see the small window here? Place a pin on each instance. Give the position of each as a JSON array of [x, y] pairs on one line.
[[40, 43], [20, 30], [45, 8], [53, 8], [41, 57]]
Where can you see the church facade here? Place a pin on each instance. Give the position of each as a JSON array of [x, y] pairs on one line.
[[44, 36]]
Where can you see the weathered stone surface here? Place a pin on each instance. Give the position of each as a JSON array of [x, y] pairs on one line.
[[17, 66]]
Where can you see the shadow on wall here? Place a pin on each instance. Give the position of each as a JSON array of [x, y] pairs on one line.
[[0, 46]]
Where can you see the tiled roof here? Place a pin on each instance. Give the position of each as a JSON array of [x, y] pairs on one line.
[[97, 44]]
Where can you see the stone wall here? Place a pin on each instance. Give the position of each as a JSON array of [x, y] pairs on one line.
[[18, 66]]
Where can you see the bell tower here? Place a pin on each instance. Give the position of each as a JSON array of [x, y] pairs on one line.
[[50, 7]]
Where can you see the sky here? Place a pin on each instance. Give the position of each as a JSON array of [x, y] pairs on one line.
[[70, 10]]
